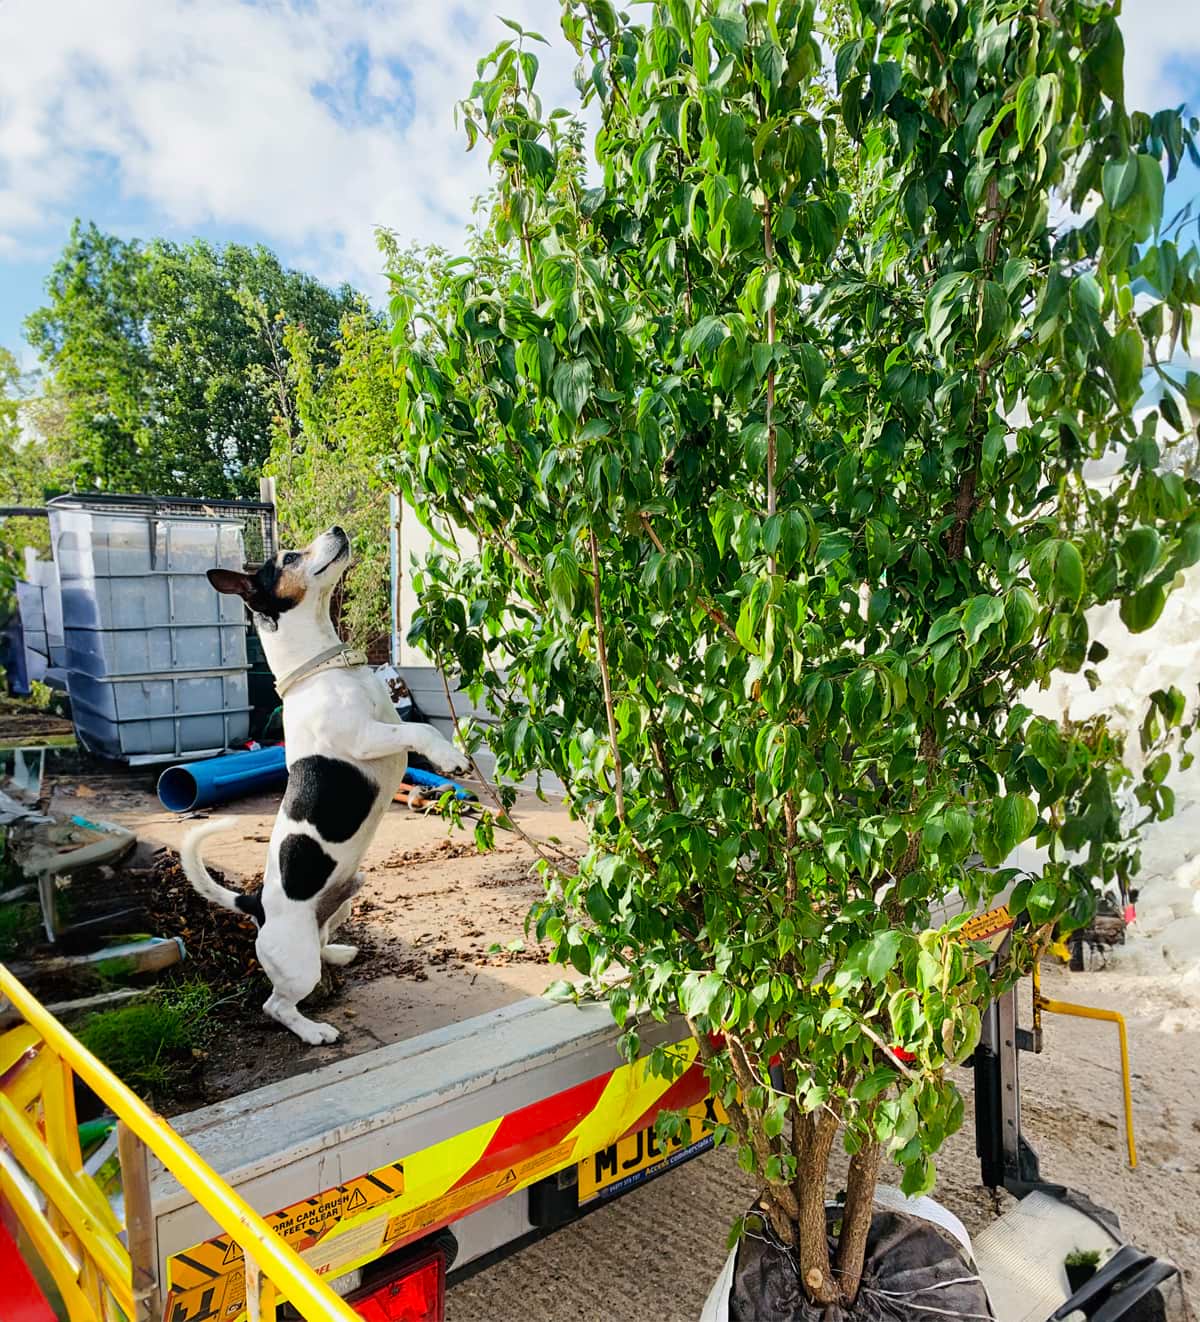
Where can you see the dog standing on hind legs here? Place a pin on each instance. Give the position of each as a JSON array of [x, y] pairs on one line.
[[347, 751]]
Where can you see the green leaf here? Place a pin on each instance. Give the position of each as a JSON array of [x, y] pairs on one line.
[[812, 365], [768, 59], [981, 613], [871, 1085], [1068, 572], [919, 1178], [1013, 820], [572, 384], [881, 954], [1151, 190], [699, 992], [1042, 901], [1119, 180], [594, 429], [562, 576], [730, 32], [1107, 61], [943, 305], [1033, 100], [704, 336], [1140, 551], [1141, 609], [860, 689], [1126, 356], [598, 903]]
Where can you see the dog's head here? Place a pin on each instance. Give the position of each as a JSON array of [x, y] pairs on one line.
[[299, 581]]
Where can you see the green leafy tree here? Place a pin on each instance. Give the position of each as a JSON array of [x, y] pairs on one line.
[[774, 442], [154, 349], [332, 432], [23, 478]]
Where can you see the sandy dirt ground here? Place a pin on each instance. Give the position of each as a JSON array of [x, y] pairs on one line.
[[425, 922], [429, 912]]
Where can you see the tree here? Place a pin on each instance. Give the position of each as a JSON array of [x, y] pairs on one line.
[[332, 432], [779, 481], [23, 476], [154, 349]]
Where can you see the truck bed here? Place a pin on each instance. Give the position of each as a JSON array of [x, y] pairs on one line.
[[365, 1155]]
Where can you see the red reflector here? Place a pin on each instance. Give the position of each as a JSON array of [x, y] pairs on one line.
[[417, 1296]]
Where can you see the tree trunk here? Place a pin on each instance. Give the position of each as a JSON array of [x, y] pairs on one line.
[[856, 1219], [813, 1141]]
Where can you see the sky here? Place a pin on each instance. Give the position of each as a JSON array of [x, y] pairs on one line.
[[303, 124]]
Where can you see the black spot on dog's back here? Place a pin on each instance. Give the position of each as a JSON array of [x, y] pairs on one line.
[[304, 867], [251, 903], [333, 795]]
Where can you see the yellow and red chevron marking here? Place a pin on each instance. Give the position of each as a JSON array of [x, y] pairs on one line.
[[336, 1231]]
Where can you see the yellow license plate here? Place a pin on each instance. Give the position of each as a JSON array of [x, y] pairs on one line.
[[639, 1157]]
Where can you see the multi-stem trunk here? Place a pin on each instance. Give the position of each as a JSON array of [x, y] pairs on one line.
[[831, 1280]]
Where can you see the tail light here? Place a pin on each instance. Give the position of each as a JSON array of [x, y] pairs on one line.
[[416, 1294]]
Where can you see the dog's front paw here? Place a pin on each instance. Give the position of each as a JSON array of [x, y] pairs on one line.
[[450, 762], [316, 1034]]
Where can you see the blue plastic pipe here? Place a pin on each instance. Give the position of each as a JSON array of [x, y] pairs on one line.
[[415, 776], [194, 785]]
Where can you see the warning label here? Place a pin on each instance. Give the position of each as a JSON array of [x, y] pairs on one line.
[[466, 1196], [989, 924], [303, 1225]]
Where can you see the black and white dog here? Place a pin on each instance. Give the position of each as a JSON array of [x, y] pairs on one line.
[[347, 751]]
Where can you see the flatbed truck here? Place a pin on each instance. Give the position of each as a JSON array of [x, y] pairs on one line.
[[361, 1188]]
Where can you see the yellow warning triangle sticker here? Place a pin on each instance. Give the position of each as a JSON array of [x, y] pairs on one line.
[[509, 1178], [357, 1200], [233, 1253]]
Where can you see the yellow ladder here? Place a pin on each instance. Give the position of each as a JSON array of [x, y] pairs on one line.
[[67, 1219]]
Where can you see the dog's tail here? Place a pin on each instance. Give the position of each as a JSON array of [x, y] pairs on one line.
[[193, 864]]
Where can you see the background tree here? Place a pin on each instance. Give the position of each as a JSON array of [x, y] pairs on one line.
[[780, 484], [331, 433], [154, 348], [23, 478]]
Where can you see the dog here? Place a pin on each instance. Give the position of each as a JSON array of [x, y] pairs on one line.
[[347, 751]]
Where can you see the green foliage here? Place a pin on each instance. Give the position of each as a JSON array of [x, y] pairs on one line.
[[774, 443], [330, 434], [20, 922], [20, 482], [154, 351], [151, 1044]]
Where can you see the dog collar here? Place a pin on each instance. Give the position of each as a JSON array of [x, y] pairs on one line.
[[340, 657]]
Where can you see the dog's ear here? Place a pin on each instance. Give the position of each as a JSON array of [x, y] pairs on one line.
[[229, 580]]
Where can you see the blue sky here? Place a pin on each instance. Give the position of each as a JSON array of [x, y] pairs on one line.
[[302, 124]]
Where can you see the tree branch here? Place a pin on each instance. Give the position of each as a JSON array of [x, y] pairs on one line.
[[856, 1219], [602, 654], [772, 453]]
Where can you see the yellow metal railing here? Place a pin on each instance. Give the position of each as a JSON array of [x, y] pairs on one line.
[[1044, 1003], [68, 1220]]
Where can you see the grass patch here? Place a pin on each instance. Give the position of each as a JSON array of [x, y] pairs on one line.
[[155, 1045], [20, 924]]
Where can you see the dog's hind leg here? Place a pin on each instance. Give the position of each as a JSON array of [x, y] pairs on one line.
[[333, 953], [294, 966]]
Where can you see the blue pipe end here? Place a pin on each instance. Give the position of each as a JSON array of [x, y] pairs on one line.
[[177, 789]]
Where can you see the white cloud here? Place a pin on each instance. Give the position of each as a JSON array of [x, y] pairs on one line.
[[311, 122], [1162, 40]]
